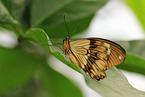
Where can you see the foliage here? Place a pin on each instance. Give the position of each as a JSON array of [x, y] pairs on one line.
[[24, 69]]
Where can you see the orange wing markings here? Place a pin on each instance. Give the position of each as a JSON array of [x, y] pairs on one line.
[[107, 41], [73, 59], [108, 64], [113, 57], [84, 67], [98, 62], [119, 53], [102, 61], [92, 61], [99, 65], [84, 60], [80, 62], [95, 66], [91, 68], [111, 62], [116, 51], [113, 44]]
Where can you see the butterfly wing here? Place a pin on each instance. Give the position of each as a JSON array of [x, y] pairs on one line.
[[95, 55]]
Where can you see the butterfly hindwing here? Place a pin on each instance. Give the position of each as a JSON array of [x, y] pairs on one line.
[[88, 64]]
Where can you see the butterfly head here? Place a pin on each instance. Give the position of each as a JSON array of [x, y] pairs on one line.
[[66, 45]]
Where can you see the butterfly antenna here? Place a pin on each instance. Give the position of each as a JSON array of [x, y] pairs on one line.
[[66, 26]]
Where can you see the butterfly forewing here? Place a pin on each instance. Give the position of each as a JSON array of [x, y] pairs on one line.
[[95, 55]]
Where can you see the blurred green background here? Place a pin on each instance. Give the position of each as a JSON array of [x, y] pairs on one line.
[[25, 68]]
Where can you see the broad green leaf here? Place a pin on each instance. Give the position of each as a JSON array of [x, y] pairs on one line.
[[15, 7], [16, 68], [55, 84], [114, 85], [51, 12], [135, 60], [5, 16], [60, 30], [138, 6], [50, 15], [39, 36], [43, 9]]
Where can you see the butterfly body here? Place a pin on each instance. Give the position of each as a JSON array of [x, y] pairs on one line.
[[94, 55]]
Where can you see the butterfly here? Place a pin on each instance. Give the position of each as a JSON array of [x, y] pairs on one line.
[[94, 55]]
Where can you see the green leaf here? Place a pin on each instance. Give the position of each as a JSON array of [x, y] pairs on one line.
[[15, 7], [135, 60], [60, 30], [41, 10], [56, 85], [114, 85], [51, 12], [39, 36], [5, 16], [138, 6], [50, 15], [16, 68]]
